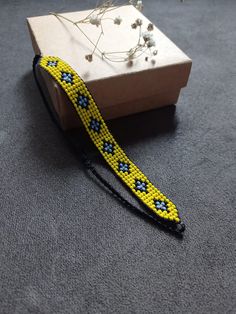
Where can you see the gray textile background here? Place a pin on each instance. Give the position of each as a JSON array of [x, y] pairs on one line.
[[66, 246]]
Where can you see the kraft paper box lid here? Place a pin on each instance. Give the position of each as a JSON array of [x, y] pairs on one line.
[[113, 84]]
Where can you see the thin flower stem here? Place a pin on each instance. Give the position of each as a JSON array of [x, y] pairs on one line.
[[102, 30], [140, 33], [144, 51], [95, 47], [92, 12], [126, 59], [112, 60], [112, 52], [88, 38], [101, 23], [61, 16]]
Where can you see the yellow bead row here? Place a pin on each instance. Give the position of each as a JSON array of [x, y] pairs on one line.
[[74, 87]]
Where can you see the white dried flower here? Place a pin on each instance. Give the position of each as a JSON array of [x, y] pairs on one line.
[[150, 27], [134, 25], [95, 20], [139, 22], [151, 43], [155, 52], [139, 5], [131, 1], [130, 63], [89, 58], [147, 36], [118, 20]]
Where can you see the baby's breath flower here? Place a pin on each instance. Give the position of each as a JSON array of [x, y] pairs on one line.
[[147, 36], [95, 20], [154, 52], [150, 27], [151, 43], [134, 25], [139, 5], [130, 63], [117, 20], [146, 58], [89, 58], [139, 22], [131, 1]]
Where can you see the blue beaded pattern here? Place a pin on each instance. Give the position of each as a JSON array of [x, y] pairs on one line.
[[160, 204], [108, 147], [67, 77], [95, 125], [141, 185], [123, 167], [82, 101], [52, 63]]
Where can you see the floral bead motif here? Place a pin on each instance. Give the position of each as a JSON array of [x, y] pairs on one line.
[[108, 147], [52, 63], [140, 186], [123, 167], [82, 101], [67, 77], [95, 125], [160, 205]]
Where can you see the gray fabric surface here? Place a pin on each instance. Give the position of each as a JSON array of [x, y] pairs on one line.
[[66, 246]]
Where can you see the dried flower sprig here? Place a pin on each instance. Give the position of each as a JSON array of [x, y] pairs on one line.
[[96, 17]]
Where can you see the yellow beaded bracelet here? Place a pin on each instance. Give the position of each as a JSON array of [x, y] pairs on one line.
[[124, 168]]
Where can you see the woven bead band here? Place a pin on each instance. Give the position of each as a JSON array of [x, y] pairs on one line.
[[97, 129]]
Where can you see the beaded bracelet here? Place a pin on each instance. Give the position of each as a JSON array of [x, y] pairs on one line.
[[86, 108]]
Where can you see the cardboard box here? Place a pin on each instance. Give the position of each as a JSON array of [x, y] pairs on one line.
[[117, 88]]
